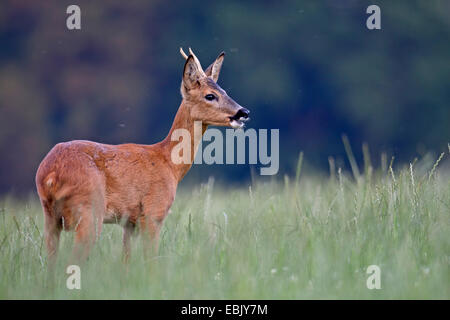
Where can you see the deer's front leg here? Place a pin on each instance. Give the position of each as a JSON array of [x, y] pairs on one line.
[[150, 227], [128, 232], [155, 209]]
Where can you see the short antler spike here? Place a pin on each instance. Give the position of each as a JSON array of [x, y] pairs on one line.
[[195, 59], [182, 53]]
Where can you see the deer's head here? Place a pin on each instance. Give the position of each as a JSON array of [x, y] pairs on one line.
[[207, 101]]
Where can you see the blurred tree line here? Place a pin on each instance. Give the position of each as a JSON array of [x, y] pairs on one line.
[[310, 68]]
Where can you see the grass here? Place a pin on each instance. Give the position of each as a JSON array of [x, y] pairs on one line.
[[307, 238]]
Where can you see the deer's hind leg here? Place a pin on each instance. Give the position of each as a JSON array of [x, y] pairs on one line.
[[88, 227], [52, 232]]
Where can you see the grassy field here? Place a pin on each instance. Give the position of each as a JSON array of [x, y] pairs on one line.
[[304, 237]]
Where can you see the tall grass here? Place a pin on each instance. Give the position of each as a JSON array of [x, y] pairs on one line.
[[309, 238]]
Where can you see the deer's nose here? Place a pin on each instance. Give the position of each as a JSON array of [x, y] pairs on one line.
[[242, 113]]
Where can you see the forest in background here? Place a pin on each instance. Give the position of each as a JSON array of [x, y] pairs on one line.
[[309, 68]]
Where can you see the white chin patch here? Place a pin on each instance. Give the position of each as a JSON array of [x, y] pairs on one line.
[[236, 124]]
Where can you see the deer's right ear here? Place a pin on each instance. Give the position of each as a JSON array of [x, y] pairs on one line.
[[213, 70], [192, 73]]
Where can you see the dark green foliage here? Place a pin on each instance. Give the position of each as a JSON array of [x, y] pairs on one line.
[[310, 68]]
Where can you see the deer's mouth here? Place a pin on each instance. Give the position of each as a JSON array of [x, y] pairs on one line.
[[236, 124], [237, 121]]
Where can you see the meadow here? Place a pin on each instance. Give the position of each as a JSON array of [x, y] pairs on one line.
[[304, 237]]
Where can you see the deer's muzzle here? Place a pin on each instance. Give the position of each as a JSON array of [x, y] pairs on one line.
[[237, 121]]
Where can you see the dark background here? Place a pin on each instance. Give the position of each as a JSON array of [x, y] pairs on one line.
[[310, 68]]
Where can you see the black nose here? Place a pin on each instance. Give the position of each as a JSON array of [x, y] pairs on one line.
[[242, 113]]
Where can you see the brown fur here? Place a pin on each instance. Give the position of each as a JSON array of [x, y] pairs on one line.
[[83, 184]]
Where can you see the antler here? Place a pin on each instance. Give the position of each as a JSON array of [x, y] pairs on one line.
[[185, 56]]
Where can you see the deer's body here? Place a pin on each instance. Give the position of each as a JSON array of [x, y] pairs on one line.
[[80, 171], [83, 184]]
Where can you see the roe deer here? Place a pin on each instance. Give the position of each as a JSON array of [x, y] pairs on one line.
[[83, 184]]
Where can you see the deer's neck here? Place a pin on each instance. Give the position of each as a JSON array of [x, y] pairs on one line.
[[183, 121]]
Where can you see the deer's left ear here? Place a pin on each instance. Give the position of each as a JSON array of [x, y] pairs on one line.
[[192, 72], [213, 70]]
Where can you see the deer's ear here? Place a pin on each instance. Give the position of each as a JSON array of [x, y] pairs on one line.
[[213, 70], [192, 73]]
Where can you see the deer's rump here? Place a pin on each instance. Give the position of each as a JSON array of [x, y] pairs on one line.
[[67, 178]]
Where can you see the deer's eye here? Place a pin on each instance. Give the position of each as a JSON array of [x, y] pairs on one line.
[[210, 97]]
